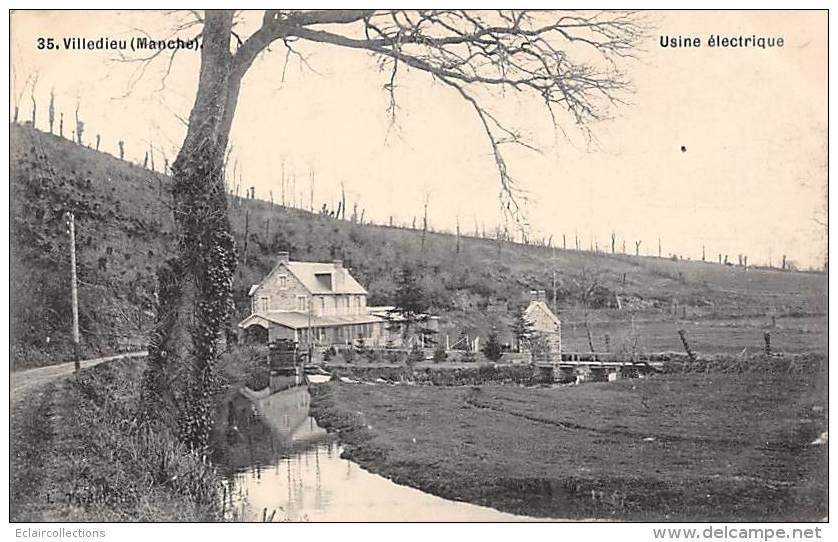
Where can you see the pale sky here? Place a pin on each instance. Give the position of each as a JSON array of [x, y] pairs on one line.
[[754, 123]]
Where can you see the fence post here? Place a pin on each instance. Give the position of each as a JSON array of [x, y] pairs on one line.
[[690, 353]]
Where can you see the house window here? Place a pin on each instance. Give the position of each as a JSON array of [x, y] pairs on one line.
[[283, 282], [302, 305], [264, 302], [322, 304]]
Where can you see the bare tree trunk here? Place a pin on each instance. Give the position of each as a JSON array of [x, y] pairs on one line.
[[311, 191], [613, 243], [343, 200], [590, 336], [687, 349], [79, 123], [246, 235], [51, 110], [458, 235], [425, 222], [283, 183], [32, 97], [195, 286], [293, 188]]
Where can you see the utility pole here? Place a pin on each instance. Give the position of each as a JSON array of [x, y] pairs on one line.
[[71, 225]]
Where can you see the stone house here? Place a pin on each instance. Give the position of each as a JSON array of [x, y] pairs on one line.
[[311, 303], [546, 326]]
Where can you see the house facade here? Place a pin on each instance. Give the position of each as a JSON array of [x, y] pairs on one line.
[[545, 325], [311, 303]]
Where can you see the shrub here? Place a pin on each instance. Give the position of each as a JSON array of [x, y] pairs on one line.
[[415, 355], [348, 355], [440, 354], [492, 350], [468, 357], [372, 355]]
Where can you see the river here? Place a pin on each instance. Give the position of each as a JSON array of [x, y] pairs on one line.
[[290, 469]]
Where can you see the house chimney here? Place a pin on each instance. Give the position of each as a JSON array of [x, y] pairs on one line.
[[283, 257], [538, 295], [338, 263]]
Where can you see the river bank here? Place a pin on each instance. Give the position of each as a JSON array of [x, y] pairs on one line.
[[710, 446], [78, 455]]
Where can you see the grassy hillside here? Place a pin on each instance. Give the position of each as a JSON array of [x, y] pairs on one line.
[[124, 230]]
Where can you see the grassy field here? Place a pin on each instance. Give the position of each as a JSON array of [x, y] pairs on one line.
[[706, 336], [78, 455], [124, 232], [713, 446]]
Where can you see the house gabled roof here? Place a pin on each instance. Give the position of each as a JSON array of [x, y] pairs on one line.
[[306, 271], [342, 281], [542, 307]]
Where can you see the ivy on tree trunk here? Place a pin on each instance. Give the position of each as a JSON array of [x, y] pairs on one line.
[[195, 288]]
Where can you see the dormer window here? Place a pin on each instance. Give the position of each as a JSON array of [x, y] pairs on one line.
[[325, 280]]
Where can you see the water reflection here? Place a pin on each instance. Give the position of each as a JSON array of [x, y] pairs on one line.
[[289, 469]]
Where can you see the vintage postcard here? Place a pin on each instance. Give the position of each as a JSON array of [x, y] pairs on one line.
[[443, 265]]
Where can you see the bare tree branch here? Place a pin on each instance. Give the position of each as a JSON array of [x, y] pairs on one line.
[[569, 60]]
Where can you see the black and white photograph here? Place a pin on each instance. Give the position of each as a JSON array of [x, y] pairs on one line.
[[419, 265]]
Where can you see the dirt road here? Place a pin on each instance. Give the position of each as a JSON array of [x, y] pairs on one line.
[[22, 381]]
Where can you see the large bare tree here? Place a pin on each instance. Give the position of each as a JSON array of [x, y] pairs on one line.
[[569, 60]]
